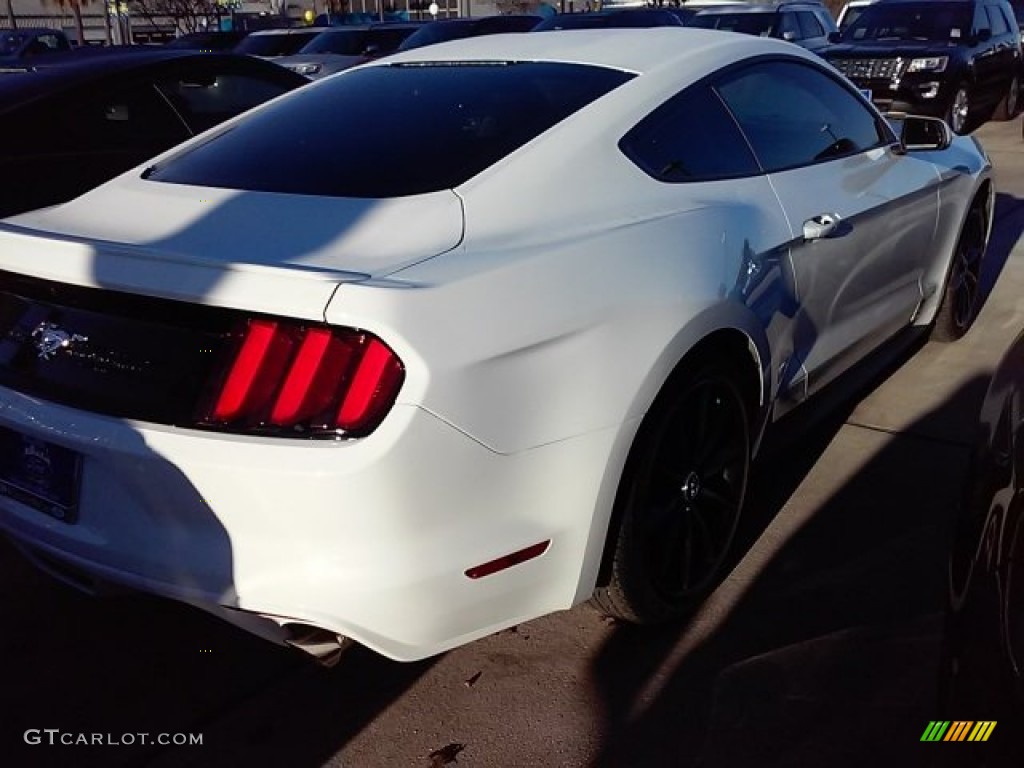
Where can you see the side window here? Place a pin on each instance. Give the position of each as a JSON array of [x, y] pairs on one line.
[[789, 28], [795, 115], [824, 18], [691, 137], [996, 20], [980, 19], [809, 25], [205, 97]]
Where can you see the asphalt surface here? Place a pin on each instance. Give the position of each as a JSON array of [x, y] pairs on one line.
[[820, 648]]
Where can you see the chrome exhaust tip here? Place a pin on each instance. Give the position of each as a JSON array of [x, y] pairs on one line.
[[325, 646]]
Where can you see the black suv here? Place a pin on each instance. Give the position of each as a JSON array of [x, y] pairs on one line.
[[956, 59], [806, 23]]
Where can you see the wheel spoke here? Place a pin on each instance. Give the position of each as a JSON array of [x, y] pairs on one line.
[[671, 475], [703, 413], [715, 465], [716, 499], [966, 284]]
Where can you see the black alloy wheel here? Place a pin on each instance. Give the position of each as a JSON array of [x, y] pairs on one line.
[[682, 502], [963, 286]]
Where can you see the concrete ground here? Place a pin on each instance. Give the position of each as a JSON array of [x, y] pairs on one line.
[[820, 649]]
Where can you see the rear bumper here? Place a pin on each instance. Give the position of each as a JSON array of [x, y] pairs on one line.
[[368, 538]]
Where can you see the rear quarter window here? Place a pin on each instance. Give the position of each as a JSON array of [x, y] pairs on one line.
[[390, 131]]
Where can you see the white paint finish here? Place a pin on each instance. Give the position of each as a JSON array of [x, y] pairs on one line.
[[230, 227], [538, 309]]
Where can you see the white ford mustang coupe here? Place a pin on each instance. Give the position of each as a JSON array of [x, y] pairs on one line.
[[466, 336]]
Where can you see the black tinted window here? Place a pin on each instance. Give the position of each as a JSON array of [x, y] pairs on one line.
[[795, 115], [122, 118], [393, 130], [205, 98], [690, 138]]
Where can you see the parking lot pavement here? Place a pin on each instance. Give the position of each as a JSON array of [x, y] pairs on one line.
[[820, 649]]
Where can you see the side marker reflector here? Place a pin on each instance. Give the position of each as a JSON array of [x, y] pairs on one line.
[[507, 561]]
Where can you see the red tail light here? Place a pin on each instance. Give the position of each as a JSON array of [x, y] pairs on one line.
[[298, 380]]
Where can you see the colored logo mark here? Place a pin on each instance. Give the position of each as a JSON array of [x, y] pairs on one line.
[[958, 730]]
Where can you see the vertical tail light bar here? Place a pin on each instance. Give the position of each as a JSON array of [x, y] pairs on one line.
[[286, 378]]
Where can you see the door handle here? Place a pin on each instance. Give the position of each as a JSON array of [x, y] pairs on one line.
[[820, 226]]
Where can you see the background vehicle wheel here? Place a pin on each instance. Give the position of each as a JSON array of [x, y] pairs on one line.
[[960, 300], [1009, 106], [959, 110], [680, 498]]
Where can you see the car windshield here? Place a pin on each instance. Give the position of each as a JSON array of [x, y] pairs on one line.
[[849, 15], [748, 23], [389, 131], [912, 21], [10, 42], [344, 42]]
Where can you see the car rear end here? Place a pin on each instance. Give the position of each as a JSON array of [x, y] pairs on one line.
[[228, 408]]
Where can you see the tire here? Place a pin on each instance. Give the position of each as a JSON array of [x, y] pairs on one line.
[[961, 295], [1009, 105], [680, 499], [959, 112]]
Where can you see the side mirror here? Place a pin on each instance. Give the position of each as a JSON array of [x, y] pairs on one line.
[[835, 37], [984, 35], [789, 36], [372, 50], [924, 133]]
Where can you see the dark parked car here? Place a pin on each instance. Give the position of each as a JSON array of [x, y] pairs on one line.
[[456, 29], [339, 48], [808, 23], [956, 59], [983, 652], [651, 17], [68, 127]]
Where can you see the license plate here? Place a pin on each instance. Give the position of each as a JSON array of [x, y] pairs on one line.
[[40, 474]]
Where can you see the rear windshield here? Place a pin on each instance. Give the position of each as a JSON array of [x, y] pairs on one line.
[[346, 42], [389, 131], [274, 45]]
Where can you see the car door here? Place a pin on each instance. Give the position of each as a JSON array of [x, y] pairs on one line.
[[724, 210], [985, 58], [1006, 51], [862, 216]]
